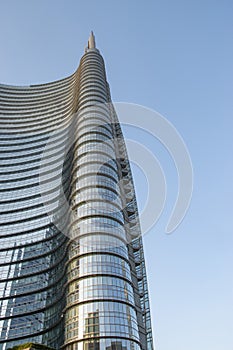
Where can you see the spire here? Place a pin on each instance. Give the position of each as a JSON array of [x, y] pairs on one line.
[[91, 41]]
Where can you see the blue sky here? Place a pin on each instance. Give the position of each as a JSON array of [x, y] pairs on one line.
[[176, 58]]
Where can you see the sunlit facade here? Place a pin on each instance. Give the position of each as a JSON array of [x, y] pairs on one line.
[[73, 282]]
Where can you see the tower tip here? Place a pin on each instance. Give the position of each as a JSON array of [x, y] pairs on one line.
[[91, 41]]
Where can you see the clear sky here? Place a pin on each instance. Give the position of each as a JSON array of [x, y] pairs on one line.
[[175, 57]]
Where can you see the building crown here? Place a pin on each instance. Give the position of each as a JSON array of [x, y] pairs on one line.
[[91, 41], [91, 45]]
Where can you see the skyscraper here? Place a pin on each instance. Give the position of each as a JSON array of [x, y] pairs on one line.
[[71, 256]]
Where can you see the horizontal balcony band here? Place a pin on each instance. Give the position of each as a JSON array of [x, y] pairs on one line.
[[36, 291], [38, 98], [39, 256], [99, 253], [48, 329], [29, 244], [97, 338], [101, 300], [41, 272]]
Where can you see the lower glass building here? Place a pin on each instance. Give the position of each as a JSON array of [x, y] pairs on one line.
[[71, 256]]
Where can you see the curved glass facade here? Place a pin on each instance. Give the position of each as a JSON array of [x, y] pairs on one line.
[[87, 289]]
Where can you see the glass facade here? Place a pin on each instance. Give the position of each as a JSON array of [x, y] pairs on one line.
[[72, 277]]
